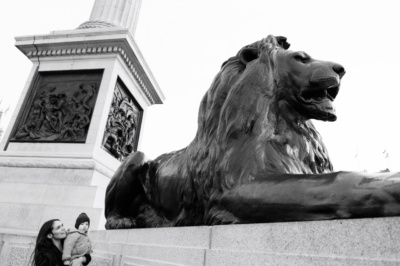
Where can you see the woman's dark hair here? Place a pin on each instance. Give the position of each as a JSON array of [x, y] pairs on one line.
[[44, 245]]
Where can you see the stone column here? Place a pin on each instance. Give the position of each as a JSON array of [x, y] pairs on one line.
[[114, 13]]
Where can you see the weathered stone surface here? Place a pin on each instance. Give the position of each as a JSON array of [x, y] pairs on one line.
[[235, 258], [174, 255], [59, 195], [131, 261], [359, 238], [19, 255], [337, 242], [32, 216], [40, 175], [103, 259], [358, 242], [194, 237], [15, 250]]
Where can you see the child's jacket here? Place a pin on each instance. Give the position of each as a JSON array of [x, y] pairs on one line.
[[76, 245]]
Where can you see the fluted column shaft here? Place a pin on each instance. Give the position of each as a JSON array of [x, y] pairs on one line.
[[109, 13]]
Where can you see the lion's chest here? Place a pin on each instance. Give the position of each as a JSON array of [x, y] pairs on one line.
[[294, 154]]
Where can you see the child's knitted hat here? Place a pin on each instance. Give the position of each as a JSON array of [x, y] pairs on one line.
[[81, 219]]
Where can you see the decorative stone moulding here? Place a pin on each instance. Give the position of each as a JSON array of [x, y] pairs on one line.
[[94, 41], [86, 165], [96, 50]]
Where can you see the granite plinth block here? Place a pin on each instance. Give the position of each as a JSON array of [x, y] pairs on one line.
[[365, 238], [338, 242], [195, 236], [239, 258]]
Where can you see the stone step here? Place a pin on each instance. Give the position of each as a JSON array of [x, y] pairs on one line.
[[60, 195], [32, 216]]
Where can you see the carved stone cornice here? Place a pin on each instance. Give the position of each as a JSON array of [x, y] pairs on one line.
[[95, 41], [96, 50]]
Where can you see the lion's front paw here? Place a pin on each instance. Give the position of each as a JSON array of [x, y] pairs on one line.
[[118, 222]]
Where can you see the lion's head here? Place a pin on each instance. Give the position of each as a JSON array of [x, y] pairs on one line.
[[309, 85], [262, 100], [302, 87]]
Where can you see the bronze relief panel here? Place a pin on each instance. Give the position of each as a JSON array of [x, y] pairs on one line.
[[59, 107], [121, 134]]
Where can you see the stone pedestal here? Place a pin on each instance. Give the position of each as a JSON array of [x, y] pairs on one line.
[[341, 242], [65, 172]]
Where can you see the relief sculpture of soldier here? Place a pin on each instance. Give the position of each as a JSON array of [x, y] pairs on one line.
[[121, 127], [59, 114]]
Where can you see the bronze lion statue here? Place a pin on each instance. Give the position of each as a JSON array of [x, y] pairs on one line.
[[256, 156]]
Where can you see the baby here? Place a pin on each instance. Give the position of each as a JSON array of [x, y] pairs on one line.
[[77, 243]]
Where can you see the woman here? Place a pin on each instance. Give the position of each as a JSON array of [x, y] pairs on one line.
[[49, 246]]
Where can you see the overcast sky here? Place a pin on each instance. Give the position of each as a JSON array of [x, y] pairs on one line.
[[185, 42]]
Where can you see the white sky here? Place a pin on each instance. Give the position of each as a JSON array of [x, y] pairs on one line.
[[185, 43]]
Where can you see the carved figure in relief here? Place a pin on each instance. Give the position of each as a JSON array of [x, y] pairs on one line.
[[130, 130], [87, 91], [256, 156], [119, 135], [50, 120], [27, 130], [59, 116]]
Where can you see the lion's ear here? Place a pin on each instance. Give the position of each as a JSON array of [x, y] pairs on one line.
[[248, 54], [282, 42]]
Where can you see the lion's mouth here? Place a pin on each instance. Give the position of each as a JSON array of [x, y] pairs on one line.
[[319, 102], [318, 95]]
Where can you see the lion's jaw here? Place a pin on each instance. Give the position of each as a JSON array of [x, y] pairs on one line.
[[310, 86]]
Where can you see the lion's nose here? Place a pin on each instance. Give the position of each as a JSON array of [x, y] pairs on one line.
[[339, 70]]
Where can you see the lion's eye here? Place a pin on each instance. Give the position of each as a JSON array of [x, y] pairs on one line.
[[301, 59]]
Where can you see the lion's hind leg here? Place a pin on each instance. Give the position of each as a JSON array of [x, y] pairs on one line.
[[125, 193]]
